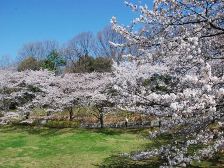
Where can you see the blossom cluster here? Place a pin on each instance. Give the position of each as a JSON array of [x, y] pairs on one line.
[[178, 39]]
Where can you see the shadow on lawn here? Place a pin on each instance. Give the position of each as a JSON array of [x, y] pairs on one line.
[[45, 131], [119, 131], [30, 130], [119, 161], [125, 162]]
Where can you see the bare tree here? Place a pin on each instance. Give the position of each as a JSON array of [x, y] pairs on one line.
[[5, 61], [70, 54], [39, 50], [80, 46], [103, 43]]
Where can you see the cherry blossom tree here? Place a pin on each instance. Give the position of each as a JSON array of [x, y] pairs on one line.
[[178, 39], [55, 93], [174, 77]]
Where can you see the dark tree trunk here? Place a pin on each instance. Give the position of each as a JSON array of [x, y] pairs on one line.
[[126, 124], [27, 116], [70, 113], [101, 120]]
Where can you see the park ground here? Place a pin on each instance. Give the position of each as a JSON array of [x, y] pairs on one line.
[[38, 147], [26, 147]]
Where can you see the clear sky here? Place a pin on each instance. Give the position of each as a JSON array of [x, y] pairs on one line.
[[23, 21]]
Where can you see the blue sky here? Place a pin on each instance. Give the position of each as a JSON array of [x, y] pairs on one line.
[[23, 21]]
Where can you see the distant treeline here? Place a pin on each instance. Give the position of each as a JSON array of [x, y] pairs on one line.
[[86, 52]]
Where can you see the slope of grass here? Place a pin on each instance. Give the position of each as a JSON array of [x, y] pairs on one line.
[[26, 147]]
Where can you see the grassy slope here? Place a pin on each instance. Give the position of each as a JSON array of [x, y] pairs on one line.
[[26, 147], [67, 148]]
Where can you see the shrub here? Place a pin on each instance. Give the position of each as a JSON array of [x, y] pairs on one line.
[[62, 124], [53, 61], [84, 64], [103, 64], [88, 64], [29, 63]]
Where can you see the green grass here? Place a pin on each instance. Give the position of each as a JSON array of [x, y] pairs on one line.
[[37, 147], [25, 147]]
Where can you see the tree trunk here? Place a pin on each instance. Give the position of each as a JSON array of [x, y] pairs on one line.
[[101, 120], [126, 124], [70, 114], [27, 116]]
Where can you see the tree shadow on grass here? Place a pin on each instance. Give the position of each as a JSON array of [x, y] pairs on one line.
[[42, 131], [45, 131], [117, 161], [216, 162], [107, 131], [119, 131]]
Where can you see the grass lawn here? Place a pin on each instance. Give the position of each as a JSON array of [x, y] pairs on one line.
[[24, 147], [33, 147]]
